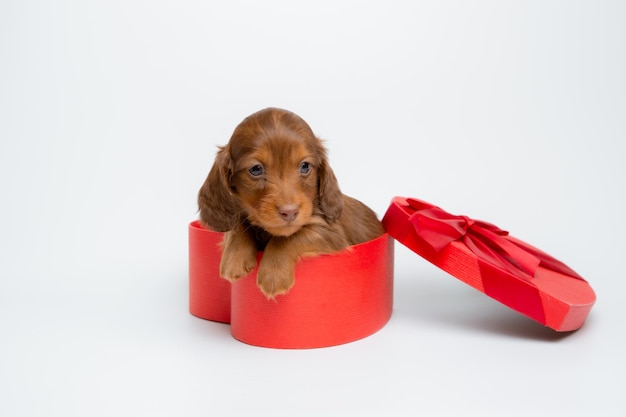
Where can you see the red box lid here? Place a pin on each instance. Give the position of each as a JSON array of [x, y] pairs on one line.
[[487, 258]]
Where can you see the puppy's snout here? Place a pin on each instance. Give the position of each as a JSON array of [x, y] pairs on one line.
[[288, 212]]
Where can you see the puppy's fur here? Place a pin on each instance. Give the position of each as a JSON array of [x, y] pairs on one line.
[[271, 189]]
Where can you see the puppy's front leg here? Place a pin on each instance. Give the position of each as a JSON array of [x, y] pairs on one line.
[[239, 254], [276, 274]]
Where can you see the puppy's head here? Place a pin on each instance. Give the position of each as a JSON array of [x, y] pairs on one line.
[[275, 173]]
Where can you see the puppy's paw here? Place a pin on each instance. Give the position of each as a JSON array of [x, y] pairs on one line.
[[235, 265], [274, 280]]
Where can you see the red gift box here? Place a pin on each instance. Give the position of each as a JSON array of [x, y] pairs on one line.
[[338, 298], [348, 295], [487, 258]]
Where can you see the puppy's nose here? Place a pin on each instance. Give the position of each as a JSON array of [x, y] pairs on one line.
[[288, 212]]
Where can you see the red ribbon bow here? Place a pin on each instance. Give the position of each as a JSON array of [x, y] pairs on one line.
[[439, 228]]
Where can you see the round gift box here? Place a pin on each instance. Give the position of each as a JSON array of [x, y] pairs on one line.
[[337, 298]]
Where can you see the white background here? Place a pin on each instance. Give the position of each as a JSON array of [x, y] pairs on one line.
[[110, 114]]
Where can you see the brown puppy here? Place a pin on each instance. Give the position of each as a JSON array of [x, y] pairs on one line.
[[271, 189]]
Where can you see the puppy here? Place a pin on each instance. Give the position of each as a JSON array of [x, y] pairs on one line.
[[271, 189]]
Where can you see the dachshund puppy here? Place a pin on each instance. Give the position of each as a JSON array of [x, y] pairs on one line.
[[271, 189]]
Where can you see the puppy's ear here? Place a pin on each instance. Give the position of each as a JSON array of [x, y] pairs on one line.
[[218, 208], [330, 196]]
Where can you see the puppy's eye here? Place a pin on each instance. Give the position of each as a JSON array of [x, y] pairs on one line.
[[305, 167], [257, 170]]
